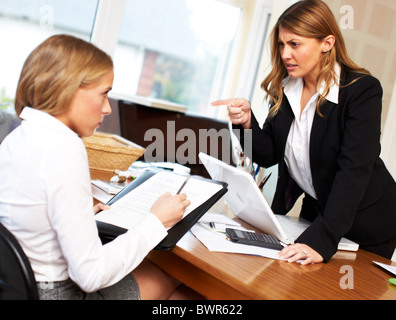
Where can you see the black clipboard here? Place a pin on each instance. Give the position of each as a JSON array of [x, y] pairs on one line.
[[109, 232]]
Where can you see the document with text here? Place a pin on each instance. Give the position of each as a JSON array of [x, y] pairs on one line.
[[129, 210]]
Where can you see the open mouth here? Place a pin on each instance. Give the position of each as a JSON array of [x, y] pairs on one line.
[[291, 67]]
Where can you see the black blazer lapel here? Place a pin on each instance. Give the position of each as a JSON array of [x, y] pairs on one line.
[[319, 129], [285, 118], [285, 196]]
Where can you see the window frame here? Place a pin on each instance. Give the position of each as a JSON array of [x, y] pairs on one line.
[[245, 55]]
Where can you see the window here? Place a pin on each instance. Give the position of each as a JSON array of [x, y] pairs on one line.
[[175, 50], [25, 24], [188, 52]]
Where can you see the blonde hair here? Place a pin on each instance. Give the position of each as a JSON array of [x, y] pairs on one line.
[[55, 70], [310, 19]]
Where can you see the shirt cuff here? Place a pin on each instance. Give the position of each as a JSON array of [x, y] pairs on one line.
[[152, 229]]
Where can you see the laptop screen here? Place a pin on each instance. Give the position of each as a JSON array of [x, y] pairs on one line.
[[244, 197]]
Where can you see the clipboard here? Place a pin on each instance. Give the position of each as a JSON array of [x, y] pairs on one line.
[[109, 232]]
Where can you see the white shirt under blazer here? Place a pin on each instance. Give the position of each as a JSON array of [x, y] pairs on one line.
[[298, 142]]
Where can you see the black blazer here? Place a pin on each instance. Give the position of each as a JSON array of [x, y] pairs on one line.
[[356, 194]]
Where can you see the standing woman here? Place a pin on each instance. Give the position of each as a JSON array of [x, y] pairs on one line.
[[323, 130], [45, 190]]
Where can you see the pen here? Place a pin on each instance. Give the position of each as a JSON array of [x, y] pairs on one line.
[[256, 172], [221, 234], [221, 227], [241, 156], [264, 181], [182, 186]]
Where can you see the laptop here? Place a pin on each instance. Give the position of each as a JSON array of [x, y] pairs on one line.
[[249, 204]]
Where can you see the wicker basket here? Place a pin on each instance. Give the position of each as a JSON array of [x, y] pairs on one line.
[[107, 152]]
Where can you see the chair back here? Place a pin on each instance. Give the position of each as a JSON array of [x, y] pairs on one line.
[[17, 280]]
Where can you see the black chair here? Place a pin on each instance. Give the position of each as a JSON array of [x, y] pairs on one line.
[[17, 280]]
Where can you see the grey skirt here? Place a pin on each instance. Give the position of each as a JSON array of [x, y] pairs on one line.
[[126, 289]]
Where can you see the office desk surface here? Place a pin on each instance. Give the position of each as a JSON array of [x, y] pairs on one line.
[[218, 276], [348, 276]]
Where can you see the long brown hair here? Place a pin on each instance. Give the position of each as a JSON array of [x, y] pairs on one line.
[[55, 70], [310, 19]]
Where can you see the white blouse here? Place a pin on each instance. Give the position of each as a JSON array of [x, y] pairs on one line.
[[46, 202], [298, 142]]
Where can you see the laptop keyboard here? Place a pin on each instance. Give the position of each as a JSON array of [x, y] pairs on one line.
[[292, 227]]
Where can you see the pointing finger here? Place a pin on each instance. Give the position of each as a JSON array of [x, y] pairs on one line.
[[223, 102]]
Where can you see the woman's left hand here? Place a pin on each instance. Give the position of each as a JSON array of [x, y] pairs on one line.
[[100, 207], [301, 252]]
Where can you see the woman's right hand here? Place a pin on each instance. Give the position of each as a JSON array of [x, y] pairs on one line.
[[170, 209], [239, 111]]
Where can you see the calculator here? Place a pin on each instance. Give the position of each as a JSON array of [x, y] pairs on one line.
[[254, 239]]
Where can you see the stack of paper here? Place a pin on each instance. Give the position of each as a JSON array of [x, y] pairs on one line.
[[104, 191]]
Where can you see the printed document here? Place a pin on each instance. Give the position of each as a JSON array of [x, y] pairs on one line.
[[131, 209]]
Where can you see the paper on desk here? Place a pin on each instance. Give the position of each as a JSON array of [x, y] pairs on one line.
[[219, 218], [386, 267], [100, 194], [107, 187], [217, 242], [131, 209]]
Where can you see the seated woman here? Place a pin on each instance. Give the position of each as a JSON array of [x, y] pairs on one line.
[[45, 194]]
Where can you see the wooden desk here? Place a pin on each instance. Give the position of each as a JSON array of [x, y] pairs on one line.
[[223, 276]]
